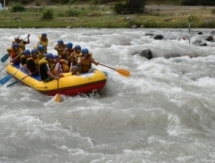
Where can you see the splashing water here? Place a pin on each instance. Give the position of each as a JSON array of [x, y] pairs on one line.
[[164, 112]]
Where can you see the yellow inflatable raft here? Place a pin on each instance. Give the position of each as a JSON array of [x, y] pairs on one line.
[[68, 85]]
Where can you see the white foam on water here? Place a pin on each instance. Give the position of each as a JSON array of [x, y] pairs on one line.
[[163, 112]]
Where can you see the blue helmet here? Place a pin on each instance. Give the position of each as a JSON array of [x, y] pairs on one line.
[[15, 45], [44, 35], [69, 45], [60, 41], [26, 52], [77, 47], [33, 51], [55, 56], [41, 47], [85, 51], [49, 55]]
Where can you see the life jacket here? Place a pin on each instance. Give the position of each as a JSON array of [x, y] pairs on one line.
[[43, 61], [14, 53], [41, 55], [77, 55], [52, 67], [63, 67], [36, 60], [31, 66], [67, 53], [44, 42], [21, 44], [43, 67], [23, 59], [60, 50], [73, 60], [86, 64]]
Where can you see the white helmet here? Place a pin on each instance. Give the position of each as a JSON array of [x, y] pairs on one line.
[[16, 37]]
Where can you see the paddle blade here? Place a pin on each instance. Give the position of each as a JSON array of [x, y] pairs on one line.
[[57, 98], [13, 83], [5, 79], [123, 72], [4, 58]]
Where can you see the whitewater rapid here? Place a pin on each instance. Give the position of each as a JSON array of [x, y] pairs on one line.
[[163, 112]]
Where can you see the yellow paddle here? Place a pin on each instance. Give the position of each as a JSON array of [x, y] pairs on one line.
[[123, 72], [57, 96]]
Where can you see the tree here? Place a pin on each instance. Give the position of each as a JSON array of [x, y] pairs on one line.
[[135, 6], [197, 2], [130, 7]]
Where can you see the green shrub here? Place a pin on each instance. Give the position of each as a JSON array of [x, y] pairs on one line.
[[213, 11], [48, 14], [71, 12], [34, 9], [17, 8], [120, 8], [130, 7], [37, 3], [24, 1], [151, 24], [72, 1], [188, 2]]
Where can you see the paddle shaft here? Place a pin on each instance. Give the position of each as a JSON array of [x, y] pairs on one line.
[[189, 29], [108, 67], [21, 79], [11, 61]]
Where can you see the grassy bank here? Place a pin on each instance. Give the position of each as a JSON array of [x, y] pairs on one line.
[[104, 17]]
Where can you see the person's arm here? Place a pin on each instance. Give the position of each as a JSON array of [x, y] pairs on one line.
[[71, 65], [80, 60], [28, 40], [56, 68], [52, 76], [65, 51], [25, 67], [9, 50], [56, 47], [63, 61], [49, 73], [94, 62]]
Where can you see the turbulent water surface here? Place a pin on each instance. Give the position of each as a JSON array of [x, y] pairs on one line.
[[164, 112]]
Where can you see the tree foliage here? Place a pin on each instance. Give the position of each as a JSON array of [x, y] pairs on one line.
[[48, 14], [130, 7], [17, 8], [197, 2], [134, 4]]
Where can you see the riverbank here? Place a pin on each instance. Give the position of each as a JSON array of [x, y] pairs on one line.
[[103, 16]]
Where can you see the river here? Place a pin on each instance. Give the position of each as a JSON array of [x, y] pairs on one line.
[[163, 113]]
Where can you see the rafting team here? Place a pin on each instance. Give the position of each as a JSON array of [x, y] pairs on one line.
[[49, 66]]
